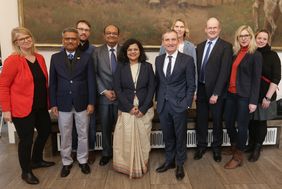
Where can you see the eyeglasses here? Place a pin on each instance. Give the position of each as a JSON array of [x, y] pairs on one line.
[[82, 29], [21, 40], [111, 33], [244, 36]]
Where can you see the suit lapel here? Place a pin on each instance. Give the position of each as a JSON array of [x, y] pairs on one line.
[[106, 57], [64, 62], [214, 50], [176, 65], [129, 75], [142, 67], [77, 63], [161, 67], [200, 50]]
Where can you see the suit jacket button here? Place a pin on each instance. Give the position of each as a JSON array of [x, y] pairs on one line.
[[71, 81], [70, 92]]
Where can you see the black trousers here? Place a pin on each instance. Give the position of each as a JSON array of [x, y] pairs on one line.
[[257, 131], [39, 119], [174, 128], [108, 116], [203, 110]]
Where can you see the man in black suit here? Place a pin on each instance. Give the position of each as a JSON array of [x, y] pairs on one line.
[[214, 58], [105, 63], [175, 75]]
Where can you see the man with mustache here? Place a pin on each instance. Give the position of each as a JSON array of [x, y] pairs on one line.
[[72, 97]]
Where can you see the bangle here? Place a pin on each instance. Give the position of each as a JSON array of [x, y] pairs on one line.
[[267, 99]]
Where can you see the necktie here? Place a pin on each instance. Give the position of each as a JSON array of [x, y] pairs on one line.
[[168, 69], [70, 56], [113, 60], [203, 68]]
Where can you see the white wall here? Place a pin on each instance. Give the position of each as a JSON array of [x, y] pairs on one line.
[[9, 19]]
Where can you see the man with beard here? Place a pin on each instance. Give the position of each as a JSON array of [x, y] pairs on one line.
[[84, 29]]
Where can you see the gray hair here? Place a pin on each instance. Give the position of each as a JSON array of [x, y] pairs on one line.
[[69, 29]]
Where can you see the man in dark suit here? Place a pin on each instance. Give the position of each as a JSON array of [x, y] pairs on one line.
[[214, 58], [72, 95], [175, 75], [105, 64], [84, 29]]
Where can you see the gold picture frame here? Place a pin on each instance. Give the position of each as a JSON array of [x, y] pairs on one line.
[[145, 23]]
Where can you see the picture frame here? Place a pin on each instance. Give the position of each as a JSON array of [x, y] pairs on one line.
[[143, 20]]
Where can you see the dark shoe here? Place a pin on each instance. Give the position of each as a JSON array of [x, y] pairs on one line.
[[30, 178], [84, 168], [249, 148], [217, 156], [255, 154], [105, 160], [164, 167], [179, 174], [199, 154], [91, 157], [66, 170], [35, 165]]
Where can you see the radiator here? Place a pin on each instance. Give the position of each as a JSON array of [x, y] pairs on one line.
[[157, 139]]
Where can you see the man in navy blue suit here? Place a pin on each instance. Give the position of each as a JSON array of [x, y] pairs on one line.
[[175, 74], [72, 95]]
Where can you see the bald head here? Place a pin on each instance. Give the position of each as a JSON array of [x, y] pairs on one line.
[[212, 28]]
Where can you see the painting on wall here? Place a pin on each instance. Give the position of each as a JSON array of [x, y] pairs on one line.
[[147, 19]]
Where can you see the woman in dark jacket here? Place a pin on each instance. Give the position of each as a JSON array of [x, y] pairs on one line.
[[267, 108], [243, 91], [134, 84]]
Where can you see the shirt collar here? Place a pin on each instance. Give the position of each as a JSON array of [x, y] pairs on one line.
[[174, 55], [70, 52], [115, 47], [213, 41]]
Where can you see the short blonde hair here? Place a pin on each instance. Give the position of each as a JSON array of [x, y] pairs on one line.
[[186, 33], [14, 34], [252, 45]]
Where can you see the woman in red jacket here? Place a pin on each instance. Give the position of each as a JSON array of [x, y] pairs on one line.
[[23, 97]]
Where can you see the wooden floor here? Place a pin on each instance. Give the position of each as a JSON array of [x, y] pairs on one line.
[[201, 174]]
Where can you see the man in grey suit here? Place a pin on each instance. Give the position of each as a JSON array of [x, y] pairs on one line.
[[105, 64], [175, 75]]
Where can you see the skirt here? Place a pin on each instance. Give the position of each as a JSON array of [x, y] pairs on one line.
[[131, 143], [266, 114]]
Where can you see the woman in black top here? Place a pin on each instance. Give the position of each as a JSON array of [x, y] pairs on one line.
[[271, 75]]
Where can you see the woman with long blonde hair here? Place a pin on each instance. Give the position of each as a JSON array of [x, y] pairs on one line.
[[243, 91], [23, 98]]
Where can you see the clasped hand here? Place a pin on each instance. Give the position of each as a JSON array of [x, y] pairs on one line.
[[135, 111]]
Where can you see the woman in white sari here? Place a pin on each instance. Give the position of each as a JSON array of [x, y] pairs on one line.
[[134, 83]]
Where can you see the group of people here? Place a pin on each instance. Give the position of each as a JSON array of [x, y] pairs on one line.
[[117, 84]]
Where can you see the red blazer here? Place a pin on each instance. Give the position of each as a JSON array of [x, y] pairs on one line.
[[16, 85]]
